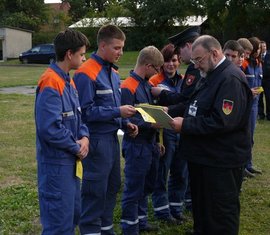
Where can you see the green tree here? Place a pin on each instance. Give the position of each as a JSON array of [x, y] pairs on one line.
[[231, 19], [78, 9], [96, 8], [160, 12], [26, 14], [154, 20]]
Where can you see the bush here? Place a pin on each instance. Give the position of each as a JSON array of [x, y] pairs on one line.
[[137, 37], [43, 37]]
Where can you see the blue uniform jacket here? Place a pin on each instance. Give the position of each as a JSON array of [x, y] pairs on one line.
[[136, 90], [170, 84], [58, 118], [163, 81], [98, 84], [253, 71], [266, 66]]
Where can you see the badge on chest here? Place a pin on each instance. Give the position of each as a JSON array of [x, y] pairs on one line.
[[192, 111]]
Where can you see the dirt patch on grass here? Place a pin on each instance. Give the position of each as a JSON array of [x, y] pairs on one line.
[[10, 181], [25, 90]]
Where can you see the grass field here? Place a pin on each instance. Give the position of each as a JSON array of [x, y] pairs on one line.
[[19, 212], [13, 73]]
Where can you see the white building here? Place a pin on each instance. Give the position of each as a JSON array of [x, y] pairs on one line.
[[13, 41]]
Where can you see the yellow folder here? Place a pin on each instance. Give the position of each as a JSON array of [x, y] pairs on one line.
[[156, 113], [259, 89]]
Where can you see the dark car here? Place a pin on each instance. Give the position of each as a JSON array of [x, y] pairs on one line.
[[43, 53]]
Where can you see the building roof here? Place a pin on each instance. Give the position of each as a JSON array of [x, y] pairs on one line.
[[191, 21], [97, 22], [15, 28], [128, 22]]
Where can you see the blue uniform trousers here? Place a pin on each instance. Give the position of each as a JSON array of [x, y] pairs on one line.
[[59, 198], [141, 165], [170, 202], [177, 186], [101, 182]]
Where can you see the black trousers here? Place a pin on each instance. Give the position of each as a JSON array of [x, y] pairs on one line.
[[261, 113], [266, 87], [215, 199]]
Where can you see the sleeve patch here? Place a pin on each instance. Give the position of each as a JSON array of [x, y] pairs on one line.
[[227, 106]]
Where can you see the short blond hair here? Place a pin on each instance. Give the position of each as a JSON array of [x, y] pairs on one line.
[[245, 43], [150, 55]]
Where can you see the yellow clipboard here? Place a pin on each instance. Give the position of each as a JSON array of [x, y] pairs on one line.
[[146, 117], [157, 113]]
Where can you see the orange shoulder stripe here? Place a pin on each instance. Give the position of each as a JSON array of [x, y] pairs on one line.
[[72, 83], [91, 68], [52, 80], [245, 64], [156, 79], [131, 84]]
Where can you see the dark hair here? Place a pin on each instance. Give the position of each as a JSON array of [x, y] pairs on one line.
[[255, 43], [109, 32], [168, 51], [69, 40], [234, 46]]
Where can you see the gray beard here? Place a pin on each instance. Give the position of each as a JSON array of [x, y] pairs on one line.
[[211, 68], [203, 74]]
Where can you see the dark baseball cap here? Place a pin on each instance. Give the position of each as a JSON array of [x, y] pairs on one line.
[[184, 36]]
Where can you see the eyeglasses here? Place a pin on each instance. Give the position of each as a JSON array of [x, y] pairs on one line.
[[198, 61], [157, 69]]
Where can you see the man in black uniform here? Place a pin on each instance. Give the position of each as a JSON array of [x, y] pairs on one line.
[[215, 139], [183, 43]]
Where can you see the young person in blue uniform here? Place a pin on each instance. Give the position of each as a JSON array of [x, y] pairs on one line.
[[261, 106], [234, 52], [215, 139], [142, 152], [176, 101], [98, 84], [61, 138], [253, 70], [168, 204]]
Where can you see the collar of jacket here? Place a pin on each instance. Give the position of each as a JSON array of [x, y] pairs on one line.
[[137, 77], [214, 74], [60, 72], [174, 80], [103, 62]]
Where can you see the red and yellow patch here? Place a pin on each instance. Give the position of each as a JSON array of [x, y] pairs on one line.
[[190, 79], [227, 106]]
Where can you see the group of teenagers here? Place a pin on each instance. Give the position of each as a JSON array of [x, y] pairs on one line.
[[199, 162]]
